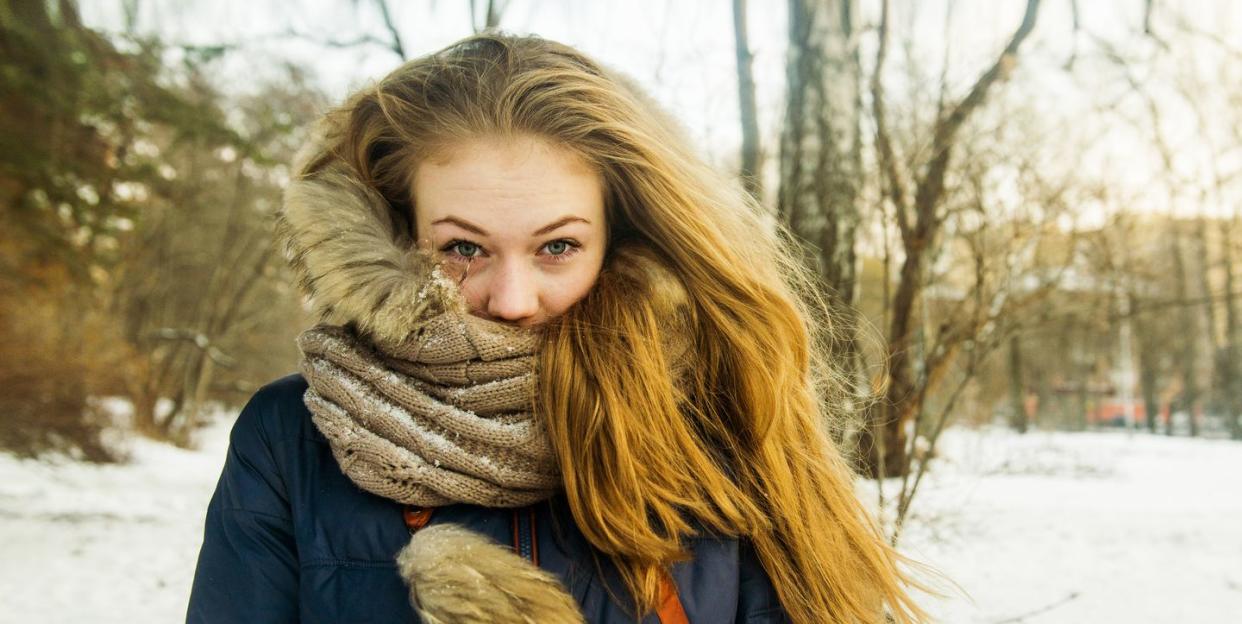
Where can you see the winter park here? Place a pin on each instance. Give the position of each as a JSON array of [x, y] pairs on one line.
[[660, 311]]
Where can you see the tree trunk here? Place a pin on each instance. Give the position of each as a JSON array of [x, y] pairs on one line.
[[821, 163], [1232, 369], [919, 220], [820, 147], [1188, 355], [492, 12], [1148, 373], [752, 157], [1219, 378], [1017, 393]]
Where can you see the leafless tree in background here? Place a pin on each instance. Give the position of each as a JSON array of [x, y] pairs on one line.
[[752, 154], [820, 160], [489, 10], [919, 216]]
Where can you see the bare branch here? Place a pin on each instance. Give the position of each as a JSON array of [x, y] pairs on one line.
[[883, 141], [1073, 57], [198, 339], [238, 44], [1229, 47], [395, 45], [1018, 619], [947, 128]]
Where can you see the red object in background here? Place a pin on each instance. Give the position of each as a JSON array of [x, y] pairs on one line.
[[1114, 413]]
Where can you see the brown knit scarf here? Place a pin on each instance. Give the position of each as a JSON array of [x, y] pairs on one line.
[[444, 416]]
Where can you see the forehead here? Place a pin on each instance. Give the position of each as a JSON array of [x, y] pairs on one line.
[[506, 181]]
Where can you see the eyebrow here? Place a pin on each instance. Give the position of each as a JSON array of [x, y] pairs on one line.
[[466, 225]]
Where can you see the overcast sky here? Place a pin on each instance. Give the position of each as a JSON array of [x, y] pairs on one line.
[[682, 50]]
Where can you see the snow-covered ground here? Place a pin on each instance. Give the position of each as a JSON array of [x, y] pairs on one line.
[[1096, 527], [105, 544], [1042, 528]]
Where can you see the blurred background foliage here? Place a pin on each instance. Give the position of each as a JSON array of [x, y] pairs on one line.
[[135, 247]]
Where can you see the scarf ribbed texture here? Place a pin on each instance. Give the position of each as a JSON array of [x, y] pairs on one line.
[[443, 417]]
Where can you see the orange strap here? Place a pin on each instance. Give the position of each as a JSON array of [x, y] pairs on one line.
[[670, 609], [417, 517]]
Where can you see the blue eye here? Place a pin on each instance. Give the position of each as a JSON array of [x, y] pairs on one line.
[[557, 247], [464, 249]]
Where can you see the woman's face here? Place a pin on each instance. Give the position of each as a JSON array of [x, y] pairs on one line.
[[521, 219]]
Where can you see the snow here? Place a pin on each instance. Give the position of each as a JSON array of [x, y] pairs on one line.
[[104, 544], [1086, 527], [1082, 527]]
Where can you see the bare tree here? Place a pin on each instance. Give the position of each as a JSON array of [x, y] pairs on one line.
[[1188, 355], [820, 161], [491, 13], [1005, 273], [395, 42], [752, 155], [919, 218], [199, 289]]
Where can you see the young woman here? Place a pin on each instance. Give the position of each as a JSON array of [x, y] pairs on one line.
[[565, 372]]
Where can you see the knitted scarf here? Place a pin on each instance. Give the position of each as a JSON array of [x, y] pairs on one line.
[[442, 417]]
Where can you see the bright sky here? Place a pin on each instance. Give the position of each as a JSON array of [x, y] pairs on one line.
[[683, 52]]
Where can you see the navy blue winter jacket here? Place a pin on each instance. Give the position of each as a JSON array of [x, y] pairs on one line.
[[289, 538]]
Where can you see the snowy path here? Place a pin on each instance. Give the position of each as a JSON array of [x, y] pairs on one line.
[[1100, 527]]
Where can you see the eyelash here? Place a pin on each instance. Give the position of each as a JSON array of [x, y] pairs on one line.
[[573, 247]]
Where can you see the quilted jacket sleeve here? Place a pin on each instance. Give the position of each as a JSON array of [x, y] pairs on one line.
[[248, 566]]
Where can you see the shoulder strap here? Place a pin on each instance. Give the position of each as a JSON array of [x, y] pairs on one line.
[[416, 517], [670, 609]]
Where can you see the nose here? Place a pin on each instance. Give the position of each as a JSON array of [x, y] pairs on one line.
[[512, 294]]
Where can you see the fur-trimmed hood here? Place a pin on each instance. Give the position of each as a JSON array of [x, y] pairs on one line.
[[351, 257]]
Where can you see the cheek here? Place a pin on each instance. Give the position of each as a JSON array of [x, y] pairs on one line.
[[473, 289], [565, 289]]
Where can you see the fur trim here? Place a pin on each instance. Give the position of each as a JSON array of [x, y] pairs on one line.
[[457, 576], [352, 261]]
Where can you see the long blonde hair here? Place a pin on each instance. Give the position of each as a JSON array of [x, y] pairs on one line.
[[740, 447]]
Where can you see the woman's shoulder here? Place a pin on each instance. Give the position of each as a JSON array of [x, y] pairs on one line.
[[287, 389], [275, 413]]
